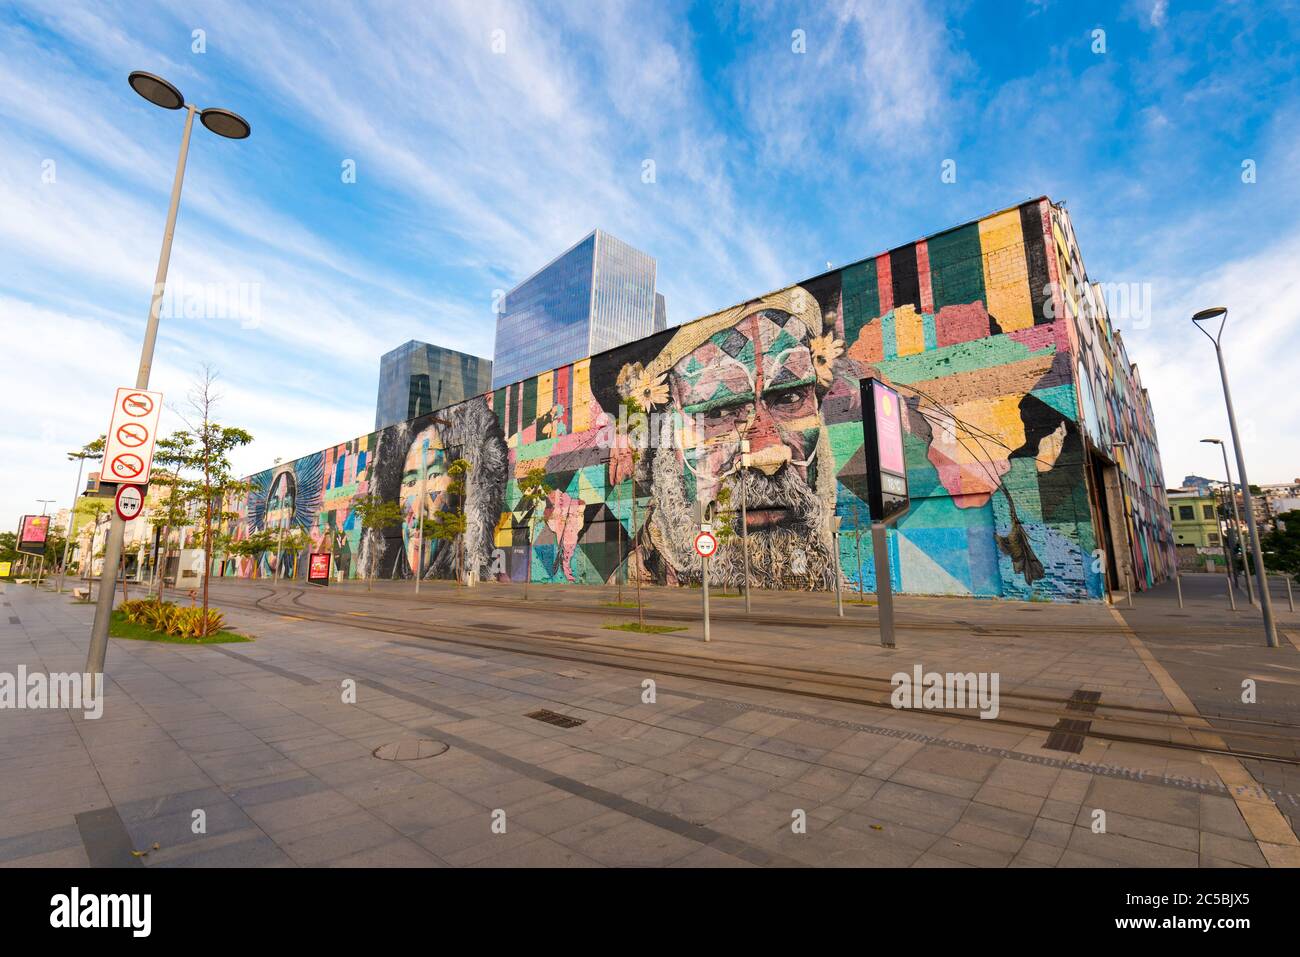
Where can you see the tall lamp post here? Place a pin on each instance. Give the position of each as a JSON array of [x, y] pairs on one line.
[[81, 457], [1236, 519], [224, 123], [1265, 602]]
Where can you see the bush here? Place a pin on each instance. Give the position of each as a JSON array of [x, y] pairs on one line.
[[171, 619]]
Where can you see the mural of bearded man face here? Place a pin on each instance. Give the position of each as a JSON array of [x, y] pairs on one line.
[[756, 381]]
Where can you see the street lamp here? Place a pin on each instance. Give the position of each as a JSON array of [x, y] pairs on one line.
[[224, 123], [1236, 519], [1265, 602]]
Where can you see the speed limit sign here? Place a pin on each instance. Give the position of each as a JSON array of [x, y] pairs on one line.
[[706, 544], [129, 500]]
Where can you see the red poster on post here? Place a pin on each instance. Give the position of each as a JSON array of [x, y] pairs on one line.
[[318, 568]]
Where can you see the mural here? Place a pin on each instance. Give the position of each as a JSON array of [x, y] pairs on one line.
[[973, 328]]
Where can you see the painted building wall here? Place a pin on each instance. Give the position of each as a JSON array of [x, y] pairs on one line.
[[973, 326]]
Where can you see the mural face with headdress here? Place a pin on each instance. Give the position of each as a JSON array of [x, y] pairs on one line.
[[755, 373]]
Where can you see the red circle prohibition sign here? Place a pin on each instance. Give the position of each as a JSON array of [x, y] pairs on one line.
[[132, 435], [137, 404], [126, 466]]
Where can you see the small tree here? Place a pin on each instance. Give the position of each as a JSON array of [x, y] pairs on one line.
[[533, 490], [212, 444], [296, 541], [375, 515], [726, 524], [449, 526]]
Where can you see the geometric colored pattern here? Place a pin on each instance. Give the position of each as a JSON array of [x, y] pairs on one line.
[[1018, 394]]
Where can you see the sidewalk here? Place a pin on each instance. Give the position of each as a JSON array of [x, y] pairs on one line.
[[258, 738]]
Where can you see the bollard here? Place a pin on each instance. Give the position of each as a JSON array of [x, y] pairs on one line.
[[1178, 580]]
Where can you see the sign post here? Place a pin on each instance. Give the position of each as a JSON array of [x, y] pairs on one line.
[[706, 543], [887, 493], [835, 542], [128, 457]]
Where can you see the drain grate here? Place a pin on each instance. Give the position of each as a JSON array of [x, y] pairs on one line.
[[1068, 735], [410, 749], [551, 717]]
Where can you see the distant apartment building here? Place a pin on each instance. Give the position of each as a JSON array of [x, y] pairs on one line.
[[596, 295], [1195, 518], [417, 377]]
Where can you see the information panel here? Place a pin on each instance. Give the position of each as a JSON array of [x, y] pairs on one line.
[[318, 568], [882, 427]]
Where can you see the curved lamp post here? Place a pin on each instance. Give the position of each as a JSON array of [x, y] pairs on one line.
[[1265, 603], [224, 123]]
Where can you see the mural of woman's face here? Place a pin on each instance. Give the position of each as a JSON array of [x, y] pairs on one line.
[[423, 474], [280, 502]]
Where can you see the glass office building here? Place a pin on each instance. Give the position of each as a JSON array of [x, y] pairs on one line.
[[417, 377], [594, 296]]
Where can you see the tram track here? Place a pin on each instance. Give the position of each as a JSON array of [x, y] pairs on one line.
[[903, 622], [1113, 722]]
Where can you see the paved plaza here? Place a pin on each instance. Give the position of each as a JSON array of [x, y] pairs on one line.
[[742, 758]]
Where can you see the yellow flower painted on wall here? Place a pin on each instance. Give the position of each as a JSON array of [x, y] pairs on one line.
[[825, 350], [637, 382]]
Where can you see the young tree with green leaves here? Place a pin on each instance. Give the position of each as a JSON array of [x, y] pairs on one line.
[[295, 542], [726, 523], [1281, 546], [376, 515], [533, 491], [211, 446], [449, 526]]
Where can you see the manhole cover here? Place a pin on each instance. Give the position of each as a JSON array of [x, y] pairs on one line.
[[410, 749], [559, 720]]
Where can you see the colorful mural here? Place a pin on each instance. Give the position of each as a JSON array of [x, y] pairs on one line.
[[971, 326]]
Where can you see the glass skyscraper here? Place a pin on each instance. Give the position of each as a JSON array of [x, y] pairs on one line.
[[416, 378], [598, 294]]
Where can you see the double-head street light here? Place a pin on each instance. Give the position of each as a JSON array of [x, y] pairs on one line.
[[224, 123], [1236, 521], [1265, 603]]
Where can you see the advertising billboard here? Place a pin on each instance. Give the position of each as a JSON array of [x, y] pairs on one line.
[[882, 425], [318, 568], [32, 534]]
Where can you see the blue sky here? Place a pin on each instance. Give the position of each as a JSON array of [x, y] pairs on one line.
[[475, 167]]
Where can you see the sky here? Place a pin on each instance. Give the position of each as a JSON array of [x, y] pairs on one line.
[[487, 136]]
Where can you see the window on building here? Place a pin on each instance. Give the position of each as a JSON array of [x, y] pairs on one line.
[[1213, 538], [1186, 513], [1208, 511]]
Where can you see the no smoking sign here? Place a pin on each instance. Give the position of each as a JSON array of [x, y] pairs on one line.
[[132, 431]]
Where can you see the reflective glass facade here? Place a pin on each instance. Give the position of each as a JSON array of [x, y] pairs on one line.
[[595, 296], [416, 378]]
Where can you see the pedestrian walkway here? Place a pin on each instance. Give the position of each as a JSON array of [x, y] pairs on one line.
[[263, 739]]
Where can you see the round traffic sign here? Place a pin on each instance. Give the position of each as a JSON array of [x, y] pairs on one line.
[[706, 544], [132, 435], [137, 404], [126, 466], [128, 501]]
